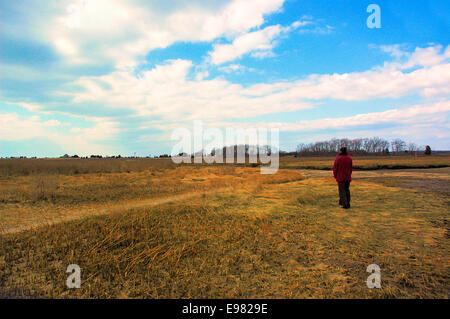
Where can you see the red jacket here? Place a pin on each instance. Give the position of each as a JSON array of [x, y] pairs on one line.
[[342, 168]]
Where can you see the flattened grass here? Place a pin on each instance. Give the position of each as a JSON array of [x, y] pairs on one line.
[[283, 239], [27, 200]]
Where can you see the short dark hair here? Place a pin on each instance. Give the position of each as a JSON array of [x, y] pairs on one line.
[[344, 150]]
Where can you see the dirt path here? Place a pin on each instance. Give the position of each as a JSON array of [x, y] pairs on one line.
[[441, 173], [102, 210], [424, 179]]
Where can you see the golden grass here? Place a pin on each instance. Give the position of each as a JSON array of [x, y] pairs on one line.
[[369, 162], [72, 166], [39, 199], [245, 235]]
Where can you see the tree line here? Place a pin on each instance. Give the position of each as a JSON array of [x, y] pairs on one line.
[[361, 145]]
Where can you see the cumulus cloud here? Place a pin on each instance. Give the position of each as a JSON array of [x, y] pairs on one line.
[[259, 43], [13, 128], [131, 29], [80, 140], [418, 123], [121, 33], [167, 92], [428, 113], [428, 56]]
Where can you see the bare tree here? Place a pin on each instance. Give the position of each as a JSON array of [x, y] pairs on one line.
[[398, 145], [412, 147], [357, 145]]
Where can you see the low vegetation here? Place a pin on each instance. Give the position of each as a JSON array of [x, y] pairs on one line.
[[241, 234], [369, 162], [75, 166]]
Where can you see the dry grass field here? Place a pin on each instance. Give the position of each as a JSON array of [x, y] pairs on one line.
[[146, 228], [369, 162]]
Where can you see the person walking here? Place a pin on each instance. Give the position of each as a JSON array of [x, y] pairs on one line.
[[342, 172]]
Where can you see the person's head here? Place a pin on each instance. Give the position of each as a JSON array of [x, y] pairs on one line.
[[343, 151]]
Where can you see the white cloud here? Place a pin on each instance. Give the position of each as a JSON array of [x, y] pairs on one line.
[[31, 106], [201, 75], [420, 123], [376, 83], [428, 56], [423, 124], [128, 30], [235, 68], [259, 43], [318, 29], [13, 128], [65, 46], [231, 68], [429, 113], [51, 123], [314, 26], [395, 50], [165, 91], [124, 32], [82, 140]]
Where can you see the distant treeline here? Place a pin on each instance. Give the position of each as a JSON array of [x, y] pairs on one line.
[[370, 146], [242, 149], [373, 145]]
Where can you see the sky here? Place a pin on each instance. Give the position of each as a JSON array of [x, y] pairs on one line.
[[118, 77]]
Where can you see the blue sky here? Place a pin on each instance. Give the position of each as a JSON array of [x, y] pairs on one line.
[[117, 77]]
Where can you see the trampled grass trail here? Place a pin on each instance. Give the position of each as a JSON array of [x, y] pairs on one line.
[[102, 210]]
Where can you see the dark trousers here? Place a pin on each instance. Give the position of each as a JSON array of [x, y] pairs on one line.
[[344, 193]]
